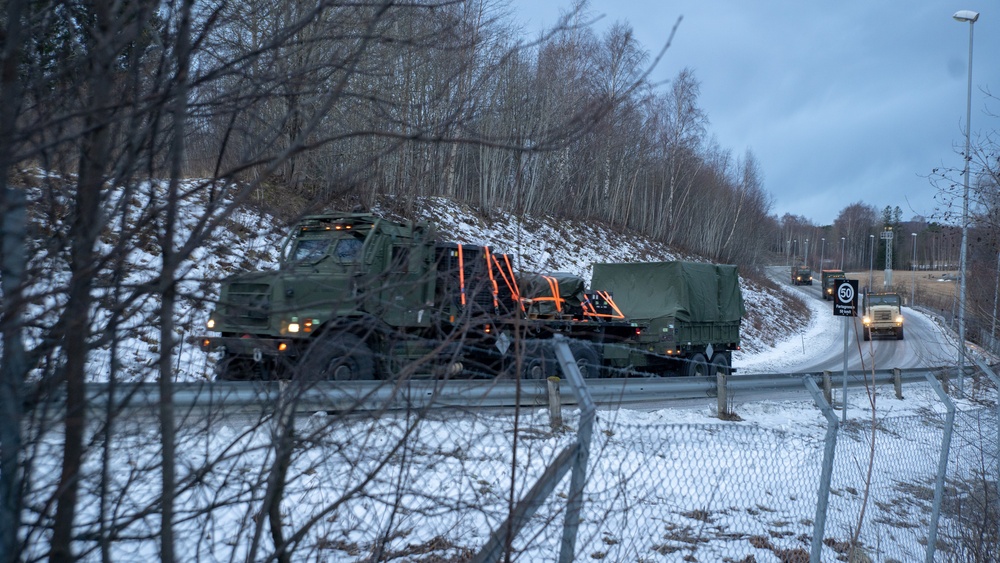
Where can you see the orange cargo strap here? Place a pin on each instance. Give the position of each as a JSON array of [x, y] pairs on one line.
[[618, 312], [461, 273], [554, 289], [508, 280], [493, 280]]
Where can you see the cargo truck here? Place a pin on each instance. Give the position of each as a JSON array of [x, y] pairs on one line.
[[828, 280], [802, 275], [882, 315], [360, 297]]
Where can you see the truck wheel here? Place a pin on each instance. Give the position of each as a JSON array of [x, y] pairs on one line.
[[339, 357], [586, 359], [866, 334], [535, 364], [697, 366], [899, 333], [719, 365]]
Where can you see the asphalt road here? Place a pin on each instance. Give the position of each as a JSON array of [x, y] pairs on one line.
[[925, 343]]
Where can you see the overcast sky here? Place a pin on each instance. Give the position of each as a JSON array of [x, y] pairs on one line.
[[841, 102]]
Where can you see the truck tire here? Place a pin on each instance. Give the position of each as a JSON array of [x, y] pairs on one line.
[[586, 359], [696, 366], [535, 364], [866, 334], [338, 357], [899, 333], [720, 364]]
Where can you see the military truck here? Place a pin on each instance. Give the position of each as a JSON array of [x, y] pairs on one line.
[[687, 316], [882, 315], [802, 275], [360, 297], [828, 281]]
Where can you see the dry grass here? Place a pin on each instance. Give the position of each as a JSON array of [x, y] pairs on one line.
[[928, 287]]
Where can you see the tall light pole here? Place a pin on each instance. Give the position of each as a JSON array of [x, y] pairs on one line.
[[822, 254], [805, 253], [788, 250], [871, 261], [971, 17], [843, 241], [913, 272]]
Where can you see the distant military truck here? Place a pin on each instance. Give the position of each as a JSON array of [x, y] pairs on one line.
[[882, 315], [828, 280], [802, 275]]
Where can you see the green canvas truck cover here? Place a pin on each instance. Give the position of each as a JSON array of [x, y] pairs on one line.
[[685, 291], [538, 287]]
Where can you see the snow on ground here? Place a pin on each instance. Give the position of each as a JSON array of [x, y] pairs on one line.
[[663, 484]]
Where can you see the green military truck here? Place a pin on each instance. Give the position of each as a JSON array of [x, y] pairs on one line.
[[687, 316], [360, 297], [882, 315], [828, 280], [802, 275]]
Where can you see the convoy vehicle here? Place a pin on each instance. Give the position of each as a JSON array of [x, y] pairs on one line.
[[802, 275], [882, 315], [828, 281], [361, 297]]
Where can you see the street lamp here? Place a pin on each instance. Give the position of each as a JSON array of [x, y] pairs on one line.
[[805, 253], [843, 240], [971, 17], [913, 272], [822, 253], [788, 250], [871, 262]]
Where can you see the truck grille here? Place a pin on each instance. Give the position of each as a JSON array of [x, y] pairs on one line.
[[883, 315], [248, 304]]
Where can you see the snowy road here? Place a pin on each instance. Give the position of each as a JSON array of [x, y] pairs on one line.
[[820, 345]]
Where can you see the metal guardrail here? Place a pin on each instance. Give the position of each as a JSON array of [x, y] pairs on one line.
[[382, 395]]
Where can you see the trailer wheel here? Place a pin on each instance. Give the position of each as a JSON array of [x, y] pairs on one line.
[[697, 366], [719, 365], [586, 359], [535, 364], [866, 334], [339, 357]]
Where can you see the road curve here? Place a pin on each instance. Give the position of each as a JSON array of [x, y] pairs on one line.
[[820, 346]]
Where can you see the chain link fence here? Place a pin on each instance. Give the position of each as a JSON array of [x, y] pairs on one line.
[[449, 485]]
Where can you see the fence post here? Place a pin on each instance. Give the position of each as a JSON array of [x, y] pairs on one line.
[[579, 478], [827, 387], [942, 467], [897, 380], [830, 448], [720, 392], [555, 404]]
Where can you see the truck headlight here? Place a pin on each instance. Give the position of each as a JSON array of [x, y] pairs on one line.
[[865, 320], [210, 324], [899, 320], [293, 327]]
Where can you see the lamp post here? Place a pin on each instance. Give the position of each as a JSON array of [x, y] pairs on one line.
[[805, 253], [788, 250], [913, 272], [843, 241], [822, 253], [971, 17], [871, 261]]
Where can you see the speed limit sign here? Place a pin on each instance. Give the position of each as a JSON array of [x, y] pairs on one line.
[[845, 303]]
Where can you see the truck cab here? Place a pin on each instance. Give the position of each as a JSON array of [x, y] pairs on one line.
[[829, 280], [802, 275], [882, 315]]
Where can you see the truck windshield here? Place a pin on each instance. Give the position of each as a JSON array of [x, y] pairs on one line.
[[348, 249], [884, 300], [310, 250]]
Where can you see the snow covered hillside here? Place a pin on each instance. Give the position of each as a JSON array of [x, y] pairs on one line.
[[251, 240]]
